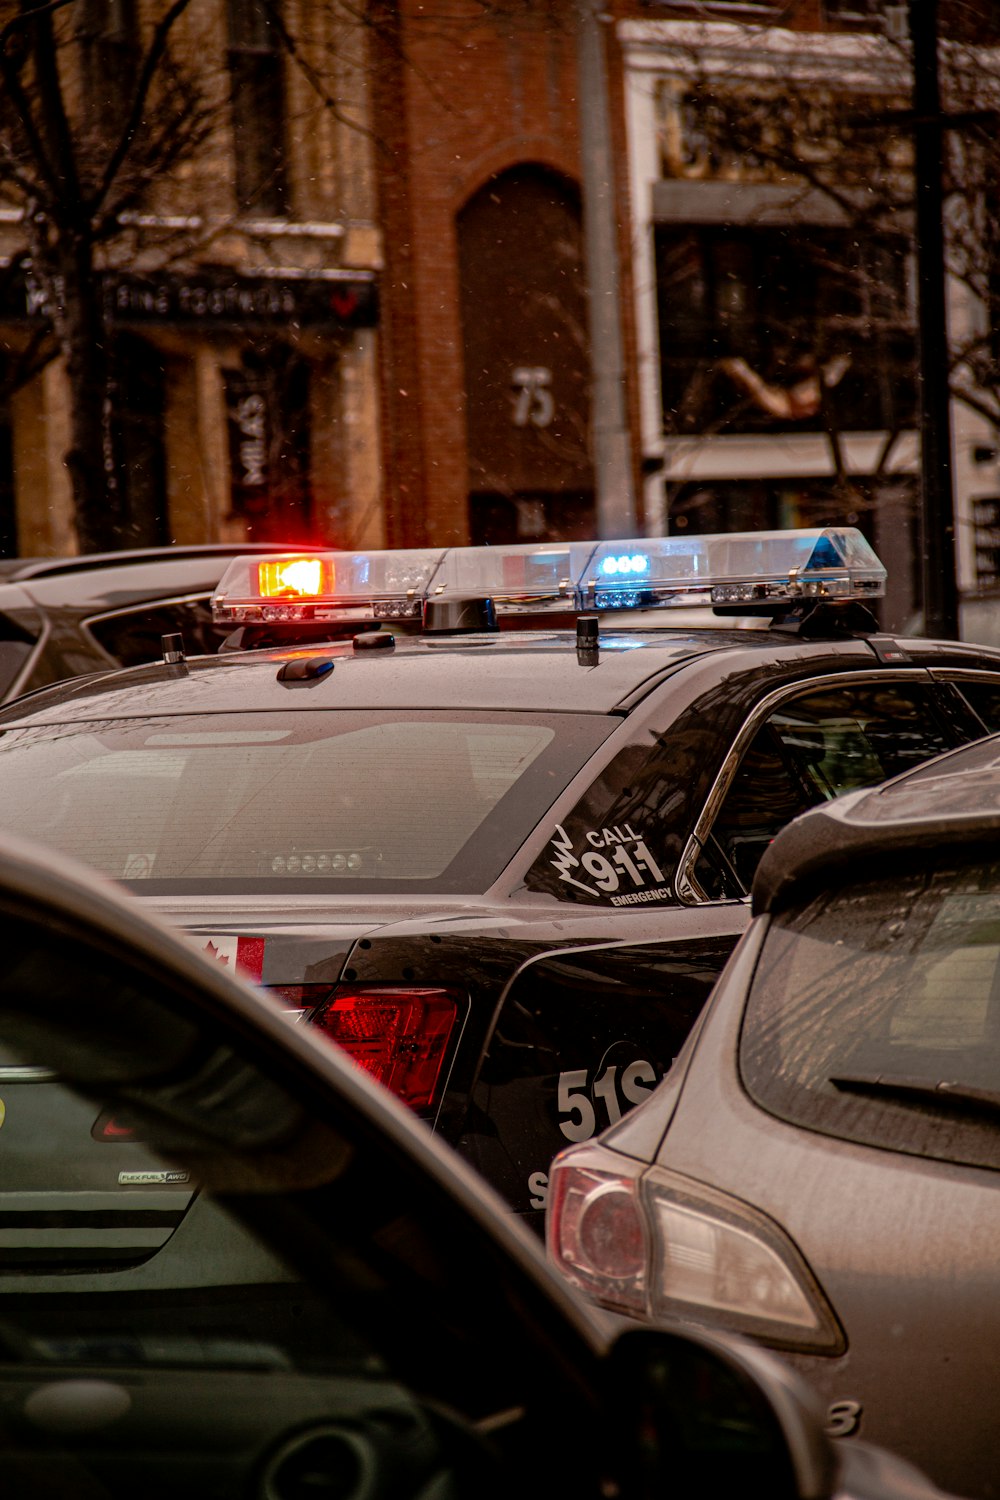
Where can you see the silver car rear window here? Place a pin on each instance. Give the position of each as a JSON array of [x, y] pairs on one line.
[[353, 800], [874, 1015]]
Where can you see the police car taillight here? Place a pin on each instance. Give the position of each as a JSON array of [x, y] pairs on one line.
[[763, 570], [400, 1036]]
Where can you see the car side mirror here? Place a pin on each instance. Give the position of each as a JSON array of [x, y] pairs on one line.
[[698, 1413], [702, 1415]]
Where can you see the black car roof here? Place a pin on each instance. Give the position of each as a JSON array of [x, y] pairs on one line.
[[950, 802], [532, 671], [528, 670]]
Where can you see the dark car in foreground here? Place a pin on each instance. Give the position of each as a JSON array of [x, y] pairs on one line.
[[338, 1307], [502, 867], [63, 616], [821, 1168]]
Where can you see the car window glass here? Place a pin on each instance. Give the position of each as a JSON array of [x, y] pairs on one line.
[[984, 697], [268, 800], [13, 655], [614, 847], [136, 635], [16, 646], [812, 748], [874, 1015], [767, 792]]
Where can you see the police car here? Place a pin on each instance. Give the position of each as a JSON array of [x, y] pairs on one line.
[[502, 866]]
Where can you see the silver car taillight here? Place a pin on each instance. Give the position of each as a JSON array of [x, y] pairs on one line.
[[596, 1230], [651, 1243]]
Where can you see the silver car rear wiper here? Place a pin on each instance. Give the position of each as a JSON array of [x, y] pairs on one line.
[[961, 1097]]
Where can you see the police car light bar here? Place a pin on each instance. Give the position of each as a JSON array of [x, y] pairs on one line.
[[774, 570]]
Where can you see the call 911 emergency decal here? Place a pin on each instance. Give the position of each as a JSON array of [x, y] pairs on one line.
[[610, 864]]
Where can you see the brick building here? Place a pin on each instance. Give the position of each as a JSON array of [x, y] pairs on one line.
[[486, 365], [362, 313], [239, 290], [768, 327]]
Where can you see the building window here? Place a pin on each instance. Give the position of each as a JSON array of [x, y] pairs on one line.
[[986, 528], [258, 106], [887, 15], [800, 329], [109, 36]]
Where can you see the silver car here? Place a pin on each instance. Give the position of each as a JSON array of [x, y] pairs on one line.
[[821, 1167]]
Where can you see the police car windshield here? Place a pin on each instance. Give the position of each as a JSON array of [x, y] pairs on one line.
[[266, 802]]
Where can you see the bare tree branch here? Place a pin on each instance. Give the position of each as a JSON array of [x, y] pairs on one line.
[[11, 73], [151, 62], [310, 73]]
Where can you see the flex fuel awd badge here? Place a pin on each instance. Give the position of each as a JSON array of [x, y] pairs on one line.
[[152, 1179]]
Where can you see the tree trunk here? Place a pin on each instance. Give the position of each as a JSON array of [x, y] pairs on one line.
[[76, 300]]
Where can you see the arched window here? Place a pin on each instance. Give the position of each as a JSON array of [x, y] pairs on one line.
[[258, 107]]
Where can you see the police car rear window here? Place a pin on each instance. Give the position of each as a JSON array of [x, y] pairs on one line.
[[437, 802], [874, 1015]]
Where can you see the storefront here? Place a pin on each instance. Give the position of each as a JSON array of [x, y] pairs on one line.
[[775, 312], [238, 406]]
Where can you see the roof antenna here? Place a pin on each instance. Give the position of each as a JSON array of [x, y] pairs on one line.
[[173, 648], [588, 644]]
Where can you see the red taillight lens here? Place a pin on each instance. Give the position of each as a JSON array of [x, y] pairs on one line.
[[610, 1231], [400, 1036], [596, 1231]]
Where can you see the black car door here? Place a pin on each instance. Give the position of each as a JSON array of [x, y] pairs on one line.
[[582, 1035]]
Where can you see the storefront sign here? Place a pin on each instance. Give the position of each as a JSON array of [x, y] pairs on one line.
[[250, 424], [217, 298]]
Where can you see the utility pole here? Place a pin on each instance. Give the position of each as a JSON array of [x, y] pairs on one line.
[[937, 539], [613, 479]]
